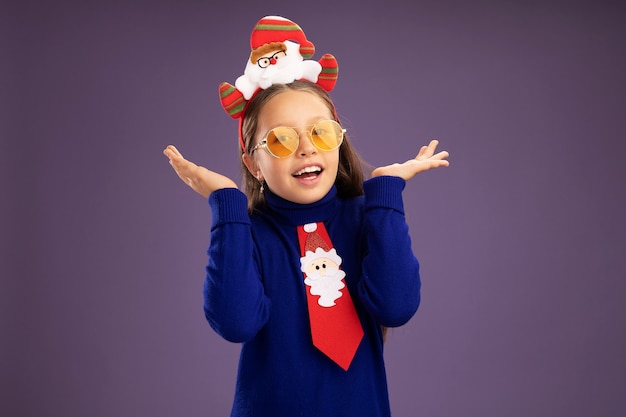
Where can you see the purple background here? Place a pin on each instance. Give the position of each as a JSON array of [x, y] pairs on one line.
[[522, 240]]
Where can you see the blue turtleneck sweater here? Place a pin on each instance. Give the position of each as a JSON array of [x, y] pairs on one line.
[[255, 294]]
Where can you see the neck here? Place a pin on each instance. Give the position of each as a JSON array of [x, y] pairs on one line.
[[298, 214]]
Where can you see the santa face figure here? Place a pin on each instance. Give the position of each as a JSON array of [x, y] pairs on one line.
[[323, 275], [281, 65]]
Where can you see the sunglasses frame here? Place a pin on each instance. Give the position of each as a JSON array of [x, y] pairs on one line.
[[263, 142]]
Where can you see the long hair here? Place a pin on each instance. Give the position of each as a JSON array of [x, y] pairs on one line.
[[349, 181]]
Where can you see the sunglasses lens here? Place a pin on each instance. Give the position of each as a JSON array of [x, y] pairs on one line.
[[327, 135], [282, 141]]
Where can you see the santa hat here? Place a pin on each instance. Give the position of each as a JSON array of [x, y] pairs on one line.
[[314, 240], [278, 29]]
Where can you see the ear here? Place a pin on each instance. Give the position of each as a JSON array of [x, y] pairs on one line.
[[252, 166]]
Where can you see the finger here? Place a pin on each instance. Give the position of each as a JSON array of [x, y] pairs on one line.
[[441, 155], [435, 162], [422, 151], [184, 167], [171, 152], [175, 151], [432, 146], [427, 151], [185, 175]]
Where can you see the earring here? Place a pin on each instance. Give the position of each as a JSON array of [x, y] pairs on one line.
[[262, 187]]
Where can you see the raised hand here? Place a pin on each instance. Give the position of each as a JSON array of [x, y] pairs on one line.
[[200, 179], [426, 159]]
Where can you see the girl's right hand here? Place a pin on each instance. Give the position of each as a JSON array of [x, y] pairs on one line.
[[200, 179]]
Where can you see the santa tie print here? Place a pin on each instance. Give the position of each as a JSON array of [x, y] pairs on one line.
[[335, 326]]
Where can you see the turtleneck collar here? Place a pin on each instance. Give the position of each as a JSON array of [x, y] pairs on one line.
[[298, 214]]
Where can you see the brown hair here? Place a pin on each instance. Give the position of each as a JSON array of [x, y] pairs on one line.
[[349, 181]]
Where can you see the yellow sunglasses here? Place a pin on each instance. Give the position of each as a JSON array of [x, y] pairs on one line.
[[282, 141]]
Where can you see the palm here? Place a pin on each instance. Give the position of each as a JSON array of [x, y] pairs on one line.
[[426, 159], [200, 179]]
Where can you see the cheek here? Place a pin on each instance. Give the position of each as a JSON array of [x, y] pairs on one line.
[[270, 167], [333, 163]]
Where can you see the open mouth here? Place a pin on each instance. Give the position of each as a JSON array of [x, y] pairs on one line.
[[308, 172]]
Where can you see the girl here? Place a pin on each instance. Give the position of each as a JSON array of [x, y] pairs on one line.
[[309, 266]]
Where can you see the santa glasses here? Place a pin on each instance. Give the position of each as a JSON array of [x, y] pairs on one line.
[[266, 61], [280, 142]]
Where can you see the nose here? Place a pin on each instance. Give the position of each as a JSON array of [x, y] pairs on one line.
[[273, 61], [305, 145]]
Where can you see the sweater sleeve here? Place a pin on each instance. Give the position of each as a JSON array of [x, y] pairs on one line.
[[390, 285], [235, 304]]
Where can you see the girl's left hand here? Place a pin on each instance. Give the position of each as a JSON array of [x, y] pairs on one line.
[[426, 159]]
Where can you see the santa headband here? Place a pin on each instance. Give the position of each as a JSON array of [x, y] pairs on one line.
[[279, 55]]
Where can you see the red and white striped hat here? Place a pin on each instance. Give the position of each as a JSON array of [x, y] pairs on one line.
[[278, 29]]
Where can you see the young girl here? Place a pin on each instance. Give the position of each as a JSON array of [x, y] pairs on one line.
[[309, 266]]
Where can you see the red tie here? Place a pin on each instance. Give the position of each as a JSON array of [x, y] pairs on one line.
[[335, 326]]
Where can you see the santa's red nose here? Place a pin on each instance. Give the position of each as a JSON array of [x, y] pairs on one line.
[[272, 61]]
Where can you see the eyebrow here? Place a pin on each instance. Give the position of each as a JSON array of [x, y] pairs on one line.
[[312, 121]]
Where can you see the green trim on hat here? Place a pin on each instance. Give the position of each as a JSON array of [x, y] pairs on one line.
[[269, 26]]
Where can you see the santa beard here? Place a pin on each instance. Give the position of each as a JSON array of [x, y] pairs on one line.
[[326, 286], [289, 68]]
